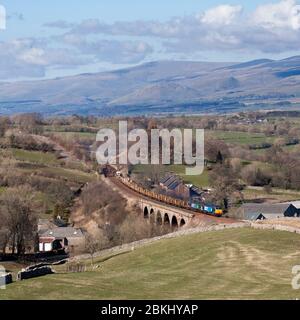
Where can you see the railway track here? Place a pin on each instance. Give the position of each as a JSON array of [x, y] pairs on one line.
[[196, 215]]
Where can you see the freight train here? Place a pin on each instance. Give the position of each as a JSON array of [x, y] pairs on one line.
[[206, 208], [209, 209]]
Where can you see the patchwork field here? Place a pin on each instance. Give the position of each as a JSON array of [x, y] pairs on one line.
[[74, 135], [276, 195], [229, 264], [236, 137]]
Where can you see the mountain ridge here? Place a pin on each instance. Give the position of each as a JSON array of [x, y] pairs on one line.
[[169, 84]]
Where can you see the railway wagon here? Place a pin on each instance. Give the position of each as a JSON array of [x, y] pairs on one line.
[[209, 209], [108, 171], [213, 209]]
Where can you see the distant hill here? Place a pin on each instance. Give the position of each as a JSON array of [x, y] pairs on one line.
[[169, 86]]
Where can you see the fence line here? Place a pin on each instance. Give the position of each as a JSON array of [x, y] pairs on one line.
[[278, 227]]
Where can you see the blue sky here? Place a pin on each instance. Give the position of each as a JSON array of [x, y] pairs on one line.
[[56, 38], [36, 13]]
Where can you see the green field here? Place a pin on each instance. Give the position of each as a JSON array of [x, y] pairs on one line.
[[74, 135], [276, 195], [68, 174], [201, 180], [230, 264], [236, 137], [45, 158], [47, 163]]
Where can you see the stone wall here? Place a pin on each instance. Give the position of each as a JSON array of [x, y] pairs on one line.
[[33, 273], [265, 226], [131, 246], [6, 279]]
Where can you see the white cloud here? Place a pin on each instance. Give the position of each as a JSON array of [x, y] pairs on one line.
[[225, 27], [34, 56], [2, 18], [285, 14], [272, 28], [60, 24], [221, 15], [30, 57], [114, 51]]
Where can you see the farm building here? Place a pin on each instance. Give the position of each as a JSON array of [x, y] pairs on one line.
[[254, 216], [174, 186], [196, 192], [45, 224], [61, 239], [255, 211], [295, 204]]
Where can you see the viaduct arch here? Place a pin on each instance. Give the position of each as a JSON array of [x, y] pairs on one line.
[[161, 214]]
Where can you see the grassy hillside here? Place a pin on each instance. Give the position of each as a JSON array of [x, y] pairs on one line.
[[35, 157], [52, 180], [229, 264]]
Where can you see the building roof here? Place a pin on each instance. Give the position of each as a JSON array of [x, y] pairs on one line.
[[174, 184], [46, 240], [171, 182], [265, 208], [273, 215], [296, 204], [164, 180], [67, 232], [252, 216], [195, 191]]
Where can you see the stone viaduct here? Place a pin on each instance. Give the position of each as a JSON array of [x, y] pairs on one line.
[[164, 214]]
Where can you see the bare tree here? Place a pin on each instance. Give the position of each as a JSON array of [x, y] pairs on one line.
[[92, 245], [20, 219], [4, 235], [226, 185], [29, 122]]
